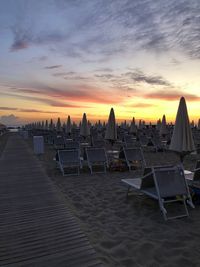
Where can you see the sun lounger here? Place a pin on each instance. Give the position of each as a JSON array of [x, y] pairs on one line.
[[69, 145], [193, 175], [134, 157], [96, 157], [69, 160], [59, 143], [166, 184]]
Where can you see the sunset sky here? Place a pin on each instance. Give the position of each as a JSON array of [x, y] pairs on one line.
[[66, 57]]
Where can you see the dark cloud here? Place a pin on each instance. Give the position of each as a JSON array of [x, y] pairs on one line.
[[104, 70], [19, 45], [53, 67], [105, 76], [7, 108], [172, 95], [42, 58], [59, 74], [139, 76]]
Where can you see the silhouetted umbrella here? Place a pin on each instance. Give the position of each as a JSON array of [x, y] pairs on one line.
[[84, 129], [68, 126], [46, 125], [158, 124], [58, 125], [111, 130], [198, 126], [133, 128], [163, 126], [182, 140]]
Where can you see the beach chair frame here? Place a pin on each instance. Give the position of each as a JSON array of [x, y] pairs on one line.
[[152, 185], [59, 143], [137, 156], [69, 159], [96, 157]]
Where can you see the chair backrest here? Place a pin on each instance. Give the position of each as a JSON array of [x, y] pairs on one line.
[[170, 181], [197, 171], [143, 139], [134, 154], [72, 145], [59, 141], [96, 154], [98, 143], [69, 156]]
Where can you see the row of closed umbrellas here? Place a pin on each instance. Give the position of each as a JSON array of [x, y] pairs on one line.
[[181, 142]]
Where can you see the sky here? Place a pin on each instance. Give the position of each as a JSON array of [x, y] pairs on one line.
[[66, 57]]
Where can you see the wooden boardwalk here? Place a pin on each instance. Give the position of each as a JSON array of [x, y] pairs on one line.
[[36, 227]]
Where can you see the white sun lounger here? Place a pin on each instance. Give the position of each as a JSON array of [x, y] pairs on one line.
[[163, 183]]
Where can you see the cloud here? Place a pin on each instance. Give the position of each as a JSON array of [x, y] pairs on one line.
[[53, 67], [19, 45], [9, 119], [80, 93], [105, 76], [43, 99], [26, 110], [139, 76], [108, 28], [7, 108], [104, 70], [172, 95], [141, 105]]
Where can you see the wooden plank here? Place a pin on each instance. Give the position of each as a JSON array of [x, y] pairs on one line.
[[36, 227]]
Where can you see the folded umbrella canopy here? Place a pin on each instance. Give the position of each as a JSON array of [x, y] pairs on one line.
[[133, 128], [182, 140], [68, 126], [163, 127], [111, 130], [84, 128]]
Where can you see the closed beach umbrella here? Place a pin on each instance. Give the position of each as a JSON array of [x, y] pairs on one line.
[[51, 126], [111, 130], [140, 125], [68, 126], [99, 126], [133, 128], [58, 125], [182, 139], [46, 125], [198, 127], [84, 129], [158, 124], [192, 124], [163, 126]]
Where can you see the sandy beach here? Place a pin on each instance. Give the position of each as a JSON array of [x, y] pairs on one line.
[[128, 232], [3, 140]]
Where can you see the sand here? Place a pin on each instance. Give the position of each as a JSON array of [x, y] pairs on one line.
[[128, 232]]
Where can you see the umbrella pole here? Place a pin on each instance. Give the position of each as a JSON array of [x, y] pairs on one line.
[[182, 158]]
